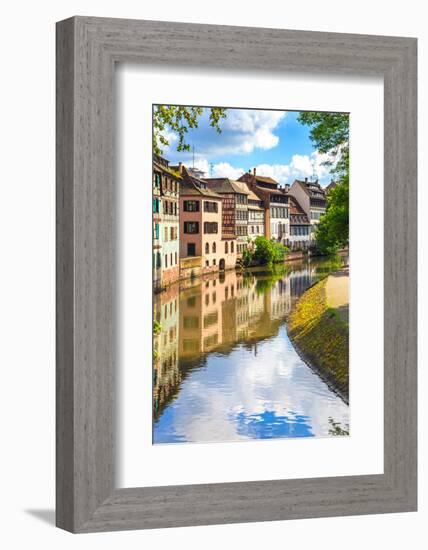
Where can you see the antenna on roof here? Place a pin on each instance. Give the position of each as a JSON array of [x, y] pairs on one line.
[[193, 149], [314, 172], [211, 169]]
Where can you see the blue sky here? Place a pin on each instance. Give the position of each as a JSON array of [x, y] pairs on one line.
[[272, 141]]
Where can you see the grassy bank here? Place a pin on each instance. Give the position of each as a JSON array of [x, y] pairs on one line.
[[321, 335]]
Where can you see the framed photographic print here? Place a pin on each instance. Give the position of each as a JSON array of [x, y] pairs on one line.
[[236, 274]]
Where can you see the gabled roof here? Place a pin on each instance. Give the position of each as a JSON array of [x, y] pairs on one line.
[[256, 179], [162, 164], [297, 214], [226, 185], [265, 179], [312, 188], [192, 185]]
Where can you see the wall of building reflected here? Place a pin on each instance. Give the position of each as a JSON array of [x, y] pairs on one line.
[[224, 368]]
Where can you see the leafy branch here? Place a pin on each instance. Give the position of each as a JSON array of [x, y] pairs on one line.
[[179, 120]]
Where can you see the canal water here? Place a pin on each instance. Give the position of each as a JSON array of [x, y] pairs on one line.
[[224, 368]]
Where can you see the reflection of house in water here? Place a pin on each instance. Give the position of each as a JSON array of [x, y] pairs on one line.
[[200, 318], [166, 374], [280, 299], [214, 314], [300, 281]]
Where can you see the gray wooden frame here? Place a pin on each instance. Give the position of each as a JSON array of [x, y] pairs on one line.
[[87, 50]]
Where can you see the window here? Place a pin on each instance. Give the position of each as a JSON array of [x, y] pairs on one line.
[[214, 262], [232, 247], [171, 233], [156, 204], [156, 234], [166, 234], [207, 263], [191, 227], [176, 258], [191, 345], [191, 249], [207, 248], [158, 260], [191, 322], [175, 209], [210, 206], [172, 263], [242, 215], [191, 302], [166, 260], [210, 227], [210, 319], [214, 249], [157, 179], [242, 230], [226, 247], [191, 206]]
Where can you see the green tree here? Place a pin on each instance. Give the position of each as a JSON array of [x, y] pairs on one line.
[[332, 232], [247, 257], [279, 252], [263, 253], [330, 134], [180, 119], [268, 252]]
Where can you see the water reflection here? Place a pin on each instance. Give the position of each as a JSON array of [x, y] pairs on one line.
[[224, 367]]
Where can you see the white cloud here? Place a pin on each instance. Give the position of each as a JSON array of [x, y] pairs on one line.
[[300, 167], [243, 131], [218, 170], [171, 137], [226, 170]]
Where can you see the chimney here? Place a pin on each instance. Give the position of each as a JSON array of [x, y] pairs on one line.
[[180, 167], [254, 171]]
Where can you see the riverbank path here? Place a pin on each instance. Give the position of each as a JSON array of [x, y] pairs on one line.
[[337, 292]]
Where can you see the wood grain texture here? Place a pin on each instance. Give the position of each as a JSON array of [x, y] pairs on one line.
[[87, 49]]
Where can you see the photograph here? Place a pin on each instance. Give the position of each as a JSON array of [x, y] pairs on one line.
[[250, 274]]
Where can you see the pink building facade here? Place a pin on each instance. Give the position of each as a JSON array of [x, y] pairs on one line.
[[201, 232]]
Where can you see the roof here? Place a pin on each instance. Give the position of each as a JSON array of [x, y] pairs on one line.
[[192, 185], [297, 214], [162, 164], [265, 179], [255, 179], [226, 185], [253, 197], [330, 186], [312, 188]]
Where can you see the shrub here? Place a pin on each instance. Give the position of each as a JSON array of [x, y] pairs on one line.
[[247, 257], [268, 252]]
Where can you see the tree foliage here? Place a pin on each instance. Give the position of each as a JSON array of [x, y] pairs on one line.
[[332, 232], [265, 252], [330, 134], [179, 120]]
